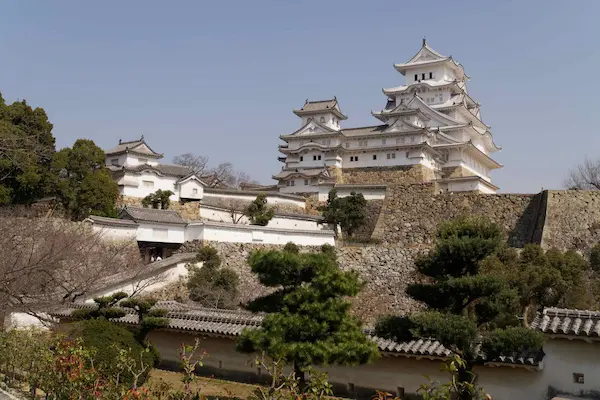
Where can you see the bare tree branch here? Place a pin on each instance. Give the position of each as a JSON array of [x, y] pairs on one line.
[[584, 176]]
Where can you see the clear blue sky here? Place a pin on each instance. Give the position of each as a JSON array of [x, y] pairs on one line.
[[221, 78]]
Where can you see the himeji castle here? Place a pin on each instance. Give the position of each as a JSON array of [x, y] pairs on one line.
[[431, 131]]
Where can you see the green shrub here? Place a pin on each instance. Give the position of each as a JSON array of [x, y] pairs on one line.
[[595, 258], [108, 339], [291, 247]]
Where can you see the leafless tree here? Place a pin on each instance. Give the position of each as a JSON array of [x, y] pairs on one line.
[[235, 208], [584, 176], [209, 296], [198, 164], [222, 175], [47, 262]]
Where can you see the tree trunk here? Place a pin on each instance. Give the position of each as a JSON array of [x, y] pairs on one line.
[[465, 375], [299, 374]]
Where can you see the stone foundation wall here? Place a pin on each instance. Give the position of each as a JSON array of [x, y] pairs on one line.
[[572, 219], [456, 172], [387, 175], [411, 214], [385, 270]]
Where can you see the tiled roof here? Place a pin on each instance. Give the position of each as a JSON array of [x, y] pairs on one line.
[[151, 215], [364, 130], [112, 221], [183, 317], [313, 107], [134, 146], [166, 169], [560, 321], [302, 172]]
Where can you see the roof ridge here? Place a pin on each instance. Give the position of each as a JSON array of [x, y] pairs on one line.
[[363, 127]]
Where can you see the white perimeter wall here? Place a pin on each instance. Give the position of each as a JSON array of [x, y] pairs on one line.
[[230, 233], [368, 193], [115, 232], [271, 199], [222, 215]]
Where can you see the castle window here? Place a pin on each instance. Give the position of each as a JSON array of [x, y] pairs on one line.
[[407, 154], [388, 156], [393, 155], [148, 184], [306, 182], [195, 191], [374, 156], [423, 76], [114, 161], [322, 119], [301, 158], [292, 183], [416, 77], [431, 75], [314, 158], [318, 157]]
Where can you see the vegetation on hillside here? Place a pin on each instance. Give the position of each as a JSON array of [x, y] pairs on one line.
[[308, 321], [212, 285], [349, 213], [469, 311]]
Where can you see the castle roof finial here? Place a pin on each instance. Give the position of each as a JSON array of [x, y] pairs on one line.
[[119, 141], [424, 42], [142, 138]]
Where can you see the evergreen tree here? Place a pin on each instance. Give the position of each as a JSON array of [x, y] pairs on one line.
[[159, 199], [258, 212], [85, 187], [211, 285], [349, 213], [468, 311], [544, 278], [309, 321], [26, 150]]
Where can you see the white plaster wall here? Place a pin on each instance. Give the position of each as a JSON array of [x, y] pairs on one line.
[[365, 159], [221, 215], [115, 232], [148, 284], [160, 182], [300, 186], [148, 232], [255, 234], [369, 194], [565, 357], [186, 190], [272, 200]]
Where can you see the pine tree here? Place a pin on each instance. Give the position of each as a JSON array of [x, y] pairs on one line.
[[349, 213], [258, 212], [468, 311], [308, 321]]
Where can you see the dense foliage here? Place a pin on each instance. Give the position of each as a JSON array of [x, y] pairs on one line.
[[258, 212], [159, 199], [212, 285], [26, 151], [469, 311], [349, 213], [545, 278], [107, 339], [84, 185], [149, 318], [309, 321]]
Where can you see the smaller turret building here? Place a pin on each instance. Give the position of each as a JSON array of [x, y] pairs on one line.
[[431, 130]]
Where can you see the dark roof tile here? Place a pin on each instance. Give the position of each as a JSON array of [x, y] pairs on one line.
[[138, 214]]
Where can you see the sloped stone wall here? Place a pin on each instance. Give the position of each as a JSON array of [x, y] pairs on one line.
[[411, 214], [190, 211], [385, 270], [572, 219]]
